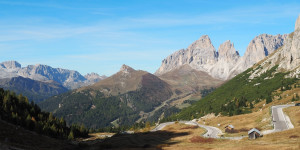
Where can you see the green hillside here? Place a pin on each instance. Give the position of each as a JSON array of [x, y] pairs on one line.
[[238, 95], [95, 110]]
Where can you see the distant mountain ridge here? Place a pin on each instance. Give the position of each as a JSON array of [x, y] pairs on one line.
[[34, 90], [224, 63], [68, 78]]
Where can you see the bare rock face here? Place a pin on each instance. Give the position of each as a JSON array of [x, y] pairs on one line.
[[126, 69], [227, 52], [10, 65], [260, 47], [94, 77], [200, 55], [226, 63], [287, 57], [227, 58]]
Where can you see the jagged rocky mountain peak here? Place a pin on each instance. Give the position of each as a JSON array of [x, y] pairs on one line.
[[203, 42], [126, 69], [287, 57], [92, 74], [10, 64], [226, 63], [227, 50]]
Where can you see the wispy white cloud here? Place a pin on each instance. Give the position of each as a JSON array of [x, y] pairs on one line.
[[123, 26], [142, 55], [253, 15]]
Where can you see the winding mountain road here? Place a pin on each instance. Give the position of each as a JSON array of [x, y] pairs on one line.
[[212, 132], [280, 120]]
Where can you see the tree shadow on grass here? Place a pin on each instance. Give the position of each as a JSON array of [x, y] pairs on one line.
[[151, 140]]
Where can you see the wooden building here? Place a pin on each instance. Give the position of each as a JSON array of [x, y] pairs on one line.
[[254, 133], [229, 128]]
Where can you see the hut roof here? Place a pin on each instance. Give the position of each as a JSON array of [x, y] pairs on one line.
[[231, 126], [254, 130]]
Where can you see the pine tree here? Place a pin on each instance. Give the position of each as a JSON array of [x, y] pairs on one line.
[[71, 135], [293, 99], [269, 99], [251, 106]]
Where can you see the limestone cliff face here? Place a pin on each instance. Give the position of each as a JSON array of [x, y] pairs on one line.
[[200, 55], [260, 47], [226, 63], [287, 57], [227, 58]]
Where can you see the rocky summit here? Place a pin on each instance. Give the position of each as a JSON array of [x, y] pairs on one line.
[[287, 58], [226, 63], [260, 47]]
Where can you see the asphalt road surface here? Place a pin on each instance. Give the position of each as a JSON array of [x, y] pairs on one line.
[[280, 120], [161, 126]]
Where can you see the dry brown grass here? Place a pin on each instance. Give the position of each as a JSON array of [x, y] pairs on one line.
[[294, 114], [293, 136], [200, 139], [242, 123], [190, 127], [179, 128]]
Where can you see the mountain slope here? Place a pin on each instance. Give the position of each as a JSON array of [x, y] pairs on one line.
[[185, 79], [279, 70], [34, 90], [120, 99]]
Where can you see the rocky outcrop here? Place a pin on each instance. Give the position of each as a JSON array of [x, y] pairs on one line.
[[68, 78], [94, 77], [10, 65], [227, 52], [287, 57], [227, 58], [226, 63], [260, 47], [126, 69], [200, 55]]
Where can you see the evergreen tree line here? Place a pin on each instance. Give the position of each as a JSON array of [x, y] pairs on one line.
[[16, 109]]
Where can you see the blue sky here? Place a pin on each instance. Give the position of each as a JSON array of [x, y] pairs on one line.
[[99, 36]]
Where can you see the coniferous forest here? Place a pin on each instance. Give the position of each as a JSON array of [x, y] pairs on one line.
[[17, 110]]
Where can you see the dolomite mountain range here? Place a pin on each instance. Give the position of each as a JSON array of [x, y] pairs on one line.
[[225, 63], [70, 79], [188, 70]]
